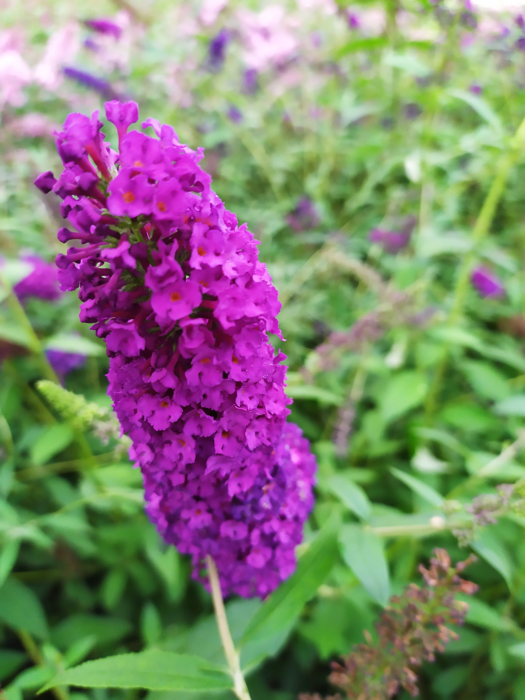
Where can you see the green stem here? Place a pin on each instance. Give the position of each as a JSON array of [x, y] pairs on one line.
[[232, 657], [482, 227], [60, 692]]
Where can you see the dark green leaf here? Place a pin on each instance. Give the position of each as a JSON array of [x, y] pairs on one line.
[[21, 609]]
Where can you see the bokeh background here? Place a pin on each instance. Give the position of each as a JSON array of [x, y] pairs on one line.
[[359, 141]]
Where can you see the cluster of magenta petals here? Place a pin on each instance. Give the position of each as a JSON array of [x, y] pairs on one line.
[[173, 284]]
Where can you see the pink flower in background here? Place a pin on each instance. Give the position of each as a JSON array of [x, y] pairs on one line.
[[33, 125], [15, 74], [267, 38], [210, 10], [62, 47]]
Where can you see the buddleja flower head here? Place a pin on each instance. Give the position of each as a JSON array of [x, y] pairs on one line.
[[173, 284]]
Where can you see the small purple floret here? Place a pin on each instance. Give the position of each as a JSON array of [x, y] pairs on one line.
[[486, 282]]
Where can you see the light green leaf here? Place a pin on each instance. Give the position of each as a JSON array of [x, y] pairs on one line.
[[419, 487], [517, 650], [74, 344], [14, 271], [152, 670], [20, 609], [282, 608], [480, 106], [350, 494], [15, 334], [486, 380], [367, 44], [408, 63], [311, 391], [489, 546], [403, 392], [8, 559], [482, 615], [53, 440], [513, 406], [363, 551]]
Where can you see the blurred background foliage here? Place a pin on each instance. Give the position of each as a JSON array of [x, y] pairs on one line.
[[359, 143]]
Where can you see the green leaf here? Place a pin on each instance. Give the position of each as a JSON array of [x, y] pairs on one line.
[[403, 392], [283, 607], [422, 489], [106, 630], [74, 344], [513, 406], [480, 106], [15, 334], [350, 494], [360, 45], [517, 650], [408, 63], [8, 558], [10, 662], [311, 391], [152, 670], [21, 609], [489, 546], [14, 271], [363, 551], [486, 380], [482, 615], [53, 440]]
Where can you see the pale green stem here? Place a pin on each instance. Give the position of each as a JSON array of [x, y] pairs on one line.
[[482, 227], [436, 524], [231, 654]]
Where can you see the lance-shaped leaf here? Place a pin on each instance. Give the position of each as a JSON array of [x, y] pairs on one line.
[[152, 670], [282, 608]]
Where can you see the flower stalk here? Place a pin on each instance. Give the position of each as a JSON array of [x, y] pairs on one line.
[[232, 657]]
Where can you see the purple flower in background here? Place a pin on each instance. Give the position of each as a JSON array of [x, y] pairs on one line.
[[250, 83], [41, 282], [91, 45], [90, 81], [185, 308], [391, 241], [217, 49], [304, 217], [64, 362], [352, 19], [476, 89], [486, 282], [234, 114], [104, 26]]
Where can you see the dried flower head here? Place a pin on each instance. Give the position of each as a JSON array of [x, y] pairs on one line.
[[410, 630]]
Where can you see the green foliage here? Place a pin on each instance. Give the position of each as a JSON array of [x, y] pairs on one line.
[[415, 421]]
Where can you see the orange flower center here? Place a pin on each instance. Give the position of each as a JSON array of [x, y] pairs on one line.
[[128, 197], [175, 296]]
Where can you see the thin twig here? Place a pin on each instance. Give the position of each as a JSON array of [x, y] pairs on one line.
[[232, 657]]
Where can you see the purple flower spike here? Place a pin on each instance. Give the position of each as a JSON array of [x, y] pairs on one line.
[[486, 282], [64, 362], [104, 26], [217, 49], [235, 115], [41, 282], [250, 83], [90, 81], [476, 89], [185, 308], [304, 217], [391, 241]]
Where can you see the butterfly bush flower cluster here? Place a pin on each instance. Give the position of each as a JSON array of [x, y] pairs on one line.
[[174, 286]]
